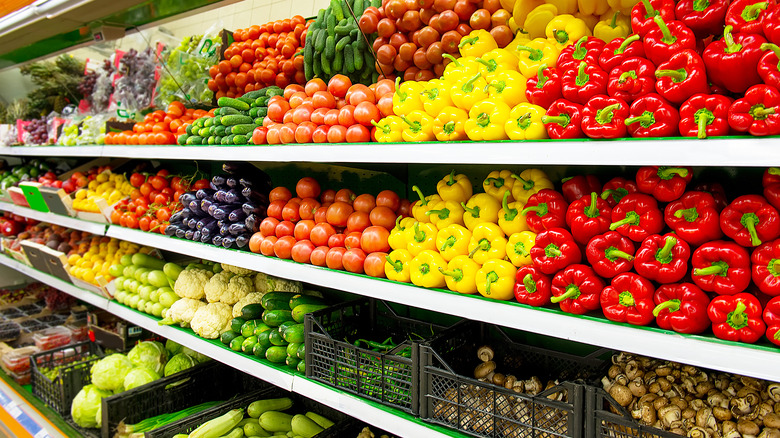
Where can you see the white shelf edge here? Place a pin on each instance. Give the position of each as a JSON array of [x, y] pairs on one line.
[[52, 218], [53, 151]]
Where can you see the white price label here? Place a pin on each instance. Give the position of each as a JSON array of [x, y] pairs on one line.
[[42, 434], [13, 410]]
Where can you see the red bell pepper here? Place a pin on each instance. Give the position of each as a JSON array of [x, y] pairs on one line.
[[577, 289], [587, 217], [771, 183], [628, 298], [580, 84], [736, 318], [766, 267], [681, 307], [682, 76], [770, 25], [616, 188], [545, 209], [772, 320], [769, 65], [750, 220], [544, 88], [704, 17], [722, 267], [704, 115], [771, 176], [532, 287], [604, 117], [563, 120], [587, 48], [747, 16], [757, 112], [667, 39], [652, 116], [663, 259], [665, 183], [610, 254], [643, 13], [694, 217], [554, 250], [620, 49], [637, 216], [575, 187], [732, 62], [632, 79], [716, 190]]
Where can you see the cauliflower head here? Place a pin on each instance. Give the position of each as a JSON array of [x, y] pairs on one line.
[[191, 282], [182, 312], [229, 288], [237, 270], [252, 298], [269, 283], [212, 320]]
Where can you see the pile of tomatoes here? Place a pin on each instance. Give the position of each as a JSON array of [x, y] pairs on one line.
[[155, 198], [337, 229], [335, 112], [261, 56], [159, 127]]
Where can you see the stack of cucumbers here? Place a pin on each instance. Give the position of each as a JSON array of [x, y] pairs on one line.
[[233, 121], [335, 44], [273, 328]]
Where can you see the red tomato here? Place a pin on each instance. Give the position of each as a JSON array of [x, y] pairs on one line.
[[388, 198], [347, 116], [320, 233], [338, 213], [307, 187], [284, 228], [358, 134], [320, 135], [374, 265], [255, 241], [353, 260], [314, 86], [280, 194], [318, 115], [405, 208], [302, 113], [374, 238], [304, 131], [308, 207], [385, 105], [331, 117], [345, 195], [320, 214], [384, 87], [275, 209], [358, 221], [287, 133], [303, 229], [318, 256], [301, 251], [383, 217], [338, 85], [283, 247], [137, 179], [337, 134], [337, 240], [277, 110], [360, 93], [352, 240], [365, 203], [259, 135], [333, 259], [328, 195], [291, 89], [323, 99], [200, 184], [290, 211], [366, 112]]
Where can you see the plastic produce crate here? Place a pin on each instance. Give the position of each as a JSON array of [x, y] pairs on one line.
[[350, 429], [451, 396], [76, 361], [388, 378], [300, 405], [604, 417]]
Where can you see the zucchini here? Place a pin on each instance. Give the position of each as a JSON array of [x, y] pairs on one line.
[[294, 334], [319, 419], [258, 407], [299, 299], [275, 421], [276, 339], [303, 425], [292, 362], [254, 429], [274, 296], [276, 354], [236, 119], [263, 338], [249, 344], [248, 328], [218, 426], [277, 305], [302, 367], [252, 311], [292, 349], [147, 261], [301, 353], [227, 337], [261, 327], [230, 102], [237, 323], [235, 344], [299, 312]]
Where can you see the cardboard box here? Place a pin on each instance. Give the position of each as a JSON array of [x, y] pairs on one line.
[[126, 336], [17, 196], [56, 263]]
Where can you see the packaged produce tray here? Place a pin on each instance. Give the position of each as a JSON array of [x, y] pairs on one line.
[[75, 362], [605, 417], [451, 396], [389, 378]]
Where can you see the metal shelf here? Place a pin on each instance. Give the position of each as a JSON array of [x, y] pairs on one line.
[[52, 218]]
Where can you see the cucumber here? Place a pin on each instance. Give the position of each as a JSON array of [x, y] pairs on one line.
[[302, 367], [147, 261], [316, 66], [236, 119], [245, 128], [189, 129], [257, 408], [294, 334], [227, 337], [369, 60], [330, 47], [292, 362], [358, 55], [209, 121], [204, 132], [261, 113], [252, 311], [325, 64], [276, 339], [285, 325], [349, 58], [292, 349], [343, 29], [331, 25], [249, 344], [254, 94], [263, 338], [342, 43], [182, 139], [274, 296], [233, 103], [259, 350], [308, 57], [221, 130], [248, 328], [319, 43], [276, 354], [274, 91], [301, 353], [359, 6], [338, 62], [275, 317], [240, 139], [237, 323], [261, 327], [277, 305], [299, 299], [226, 111], [253, 112], [236, 343], [299, 313]]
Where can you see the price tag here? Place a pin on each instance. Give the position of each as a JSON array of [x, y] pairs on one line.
[[42, 434], [13, 410]]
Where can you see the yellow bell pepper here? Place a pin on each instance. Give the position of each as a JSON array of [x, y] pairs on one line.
[[521, 37], [450, 124], [487, 242], [406, 97], [477, 43], [397, 265], [509, 86], [480, 208], [445, 213], [525, 122], [565, 6], [624, 6], [507, 4], [518, 248], [418, 126], [537, 20], [459, 67], [460, 275], [424, 269], [608, 30], [454, 187], [496, 279], [497, 183], [590, 20], [592, 7], [495, 61], [486, 120], [535, 53], [397, 238], [566, 29], [421, 237], [509, 218], [421, 207], [467, 91], [528, 183], [435, 97], [522, 9], [453, 241], [389, 129]]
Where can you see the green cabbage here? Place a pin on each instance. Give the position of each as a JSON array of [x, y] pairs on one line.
[[199, 358], [173, 348], [149, 354], [109, 373], [178, 363], [139, 376], [85, 408]]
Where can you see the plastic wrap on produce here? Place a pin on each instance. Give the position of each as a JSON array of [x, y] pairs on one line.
[[8, 135], [134, 88]]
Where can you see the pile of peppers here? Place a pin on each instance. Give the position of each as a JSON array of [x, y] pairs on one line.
[[652, 248]]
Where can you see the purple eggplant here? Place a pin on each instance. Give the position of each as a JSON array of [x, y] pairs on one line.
[[206, 203], [205, 238], [234, 196], [231, 182], [187, 197], [204, 193], [170, 230], [196, 236], [237, 215], [255, 196], [224, 229], [252, 223], [218, 180], [242, 240], [220, 196], [188, 234], [237, 228], [217, 240], [257, 209], [180, 232], [206, 221], [192, 223], [229, 242]]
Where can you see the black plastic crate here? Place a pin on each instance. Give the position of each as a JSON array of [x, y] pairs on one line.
[[350, 429], [451, 396], [604, 417], [300, 405], [75, 362], [390, 378]]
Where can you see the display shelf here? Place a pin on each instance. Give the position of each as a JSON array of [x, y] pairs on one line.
[[731, 151], [52, 218], [20, 418]]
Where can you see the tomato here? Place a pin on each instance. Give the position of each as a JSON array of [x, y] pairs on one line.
[[116, 216], [284, 228], [331, 117], [283, 247], [163, 214], [374, 265], [320, 214], [384, 87], [137, 179], [358, 221], [314, 86], [302, 113], [353, 260], [304, 131], [337, 134], [383, 217], [162, 198], [290, 211], [345, 195], [338, 213], [131, 221], [333, 259], [320, 135], [292, 89], [308, 207], [318, 115], [307, 187], [301, 251], [280, 194], [323, 99], [347, 115], [405, 208], [352, 239], [272, 136], [337, 240], [374, 238], [338, 85], [385, 105], [318, 256], [143, 223], [255, 241], [297, 99], [277, 110], [385, 28], [287, 133], [328, 195], [145, 189], [368, 23], [320, 233], [388, 198], [358, 134], [259, 135], [303, 229], [267, 246], [365, 203]]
